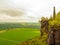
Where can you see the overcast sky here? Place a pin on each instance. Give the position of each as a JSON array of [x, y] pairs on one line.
[[26, 10]]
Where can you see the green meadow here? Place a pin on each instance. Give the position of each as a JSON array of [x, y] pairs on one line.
[[14, 36]]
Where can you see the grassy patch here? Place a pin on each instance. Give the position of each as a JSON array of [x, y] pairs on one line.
[[18, 35]]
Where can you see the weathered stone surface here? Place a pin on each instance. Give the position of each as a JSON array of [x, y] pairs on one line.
[[54, 36], [44, 26]]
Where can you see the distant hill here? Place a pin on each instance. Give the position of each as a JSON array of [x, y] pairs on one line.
[[18, 25]]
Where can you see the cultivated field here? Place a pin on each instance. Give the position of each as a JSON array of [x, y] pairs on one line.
[[15, 36]]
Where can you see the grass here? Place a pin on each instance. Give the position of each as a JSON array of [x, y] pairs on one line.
[[18, 35]]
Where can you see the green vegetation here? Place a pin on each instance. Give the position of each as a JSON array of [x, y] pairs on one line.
[[55, 21], [4, 26], [35, 41], [54, 24], [17, 35]]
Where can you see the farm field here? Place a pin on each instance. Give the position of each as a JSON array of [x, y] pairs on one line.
[[15, 36]]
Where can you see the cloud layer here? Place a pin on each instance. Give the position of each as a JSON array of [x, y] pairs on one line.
[[25, 10]]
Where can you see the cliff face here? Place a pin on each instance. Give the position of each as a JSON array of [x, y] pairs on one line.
[[44, 26], [54, 36], [52, 26], [51, 31]]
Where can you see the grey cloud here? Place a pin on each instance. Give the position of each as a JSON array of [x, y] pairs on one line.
[[11, 12]]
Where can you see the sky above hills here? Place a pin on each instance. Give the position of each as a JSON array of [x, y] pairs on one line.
[[26, 10]]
